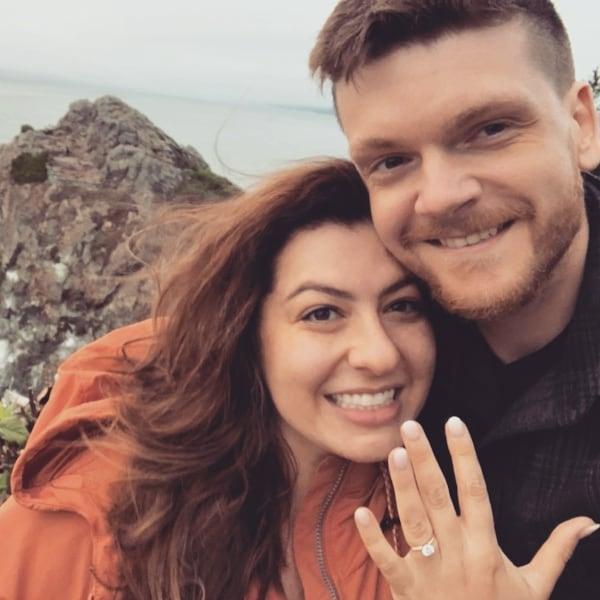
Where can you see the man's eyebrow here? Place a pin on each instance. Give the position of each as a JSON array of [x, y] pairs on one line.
[[363, 148], [505, 107], [309, 286]]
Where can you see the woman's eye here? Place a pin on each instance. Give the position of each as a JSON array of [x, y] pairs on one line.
[[323, 313], [407, 306]]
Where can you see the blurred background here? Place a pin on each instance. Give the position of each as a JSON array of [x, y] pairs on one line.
[[230, 77]]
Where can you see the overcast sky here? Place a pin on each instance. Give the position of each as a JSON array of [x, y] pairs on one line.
[[236, 50]]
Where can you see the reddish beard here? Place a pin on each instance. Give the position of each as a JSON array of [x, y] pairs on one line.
[[550, 246]]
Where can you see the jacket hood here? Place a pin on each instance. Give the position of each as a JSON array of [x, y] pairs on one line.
[[57, 470]]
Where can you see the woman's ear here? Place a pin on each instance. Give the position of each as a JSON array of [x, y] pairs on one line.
[[585, 116]]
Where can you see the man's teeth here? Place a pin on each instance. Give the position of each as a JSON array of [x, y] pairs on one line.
[[470, 240], [364, 401]]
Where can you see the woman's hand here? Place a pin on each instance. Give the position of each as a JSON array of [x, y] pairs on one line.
[[467, 563]]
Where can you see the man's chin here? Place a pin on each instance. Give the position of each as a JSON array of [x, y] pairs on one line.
[[485, 304]]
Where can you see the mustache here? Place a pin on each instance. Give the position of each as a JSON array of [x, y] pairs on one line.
[[463, 223]]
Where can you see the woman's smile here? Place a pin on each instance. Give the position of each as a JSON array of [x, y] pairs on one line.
[[368, 409]]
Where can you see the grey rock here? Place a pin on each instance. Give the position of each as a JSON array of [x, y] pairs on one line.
[[65, 270]]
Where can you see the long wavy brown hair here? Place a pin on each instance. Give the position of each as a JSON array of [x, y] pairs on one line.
[[207, 495]]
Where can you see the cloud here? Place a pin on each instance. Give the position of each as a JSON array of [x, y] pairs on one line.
[[236, 49]]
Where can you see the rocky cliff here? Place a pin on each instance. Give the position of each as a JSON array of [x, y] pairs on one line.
[[70, 196]]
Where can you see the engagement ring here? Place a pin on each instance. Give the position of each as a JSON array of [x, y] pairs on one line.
[[427, 549]]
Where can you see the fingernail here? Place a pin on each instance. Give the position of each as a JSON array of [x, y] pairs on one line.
[[399, 458], [456, 427], [589, 530], [362, 516], [411, 430]]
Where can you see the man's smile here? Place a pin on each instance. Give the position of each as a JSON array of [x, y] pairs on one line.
[[471, 239]]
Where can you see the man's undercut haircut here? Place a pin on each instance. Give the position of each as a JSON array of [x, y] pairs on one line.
[[361, 31]]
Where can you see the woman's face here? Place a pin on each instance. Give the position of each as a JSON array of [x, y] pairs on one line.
[[347, 352]]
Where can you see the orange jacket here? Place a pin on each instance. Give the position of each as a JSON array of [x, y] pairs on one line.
[[54, 539]]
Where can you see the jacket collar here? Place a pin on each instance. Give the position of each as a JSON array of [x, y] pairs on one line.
[[564, 394]]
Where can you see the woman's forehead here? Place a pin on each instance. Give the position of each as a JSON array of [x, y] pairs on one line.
[[348, 254]]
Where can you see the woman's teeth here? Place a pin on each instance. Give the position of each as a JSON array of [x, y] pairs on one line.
[[365, 401]]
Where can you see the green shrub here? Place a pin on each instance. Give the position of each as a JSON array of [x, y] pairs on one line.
[[204, 182], [13, 435], [29, 168], [17, 418]]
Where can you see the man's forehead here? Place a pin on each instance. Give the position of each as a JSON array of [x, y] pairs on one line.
[[515, 35], [458, 69]]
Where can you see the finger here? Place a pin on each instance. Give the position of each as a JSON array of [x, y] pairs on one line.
[[549, 562], [416, 527], [392, 566], [433, 489], [475, 507]]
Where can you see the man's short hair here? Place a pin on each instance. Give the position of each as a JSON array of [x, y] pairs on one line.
[[361, 31]]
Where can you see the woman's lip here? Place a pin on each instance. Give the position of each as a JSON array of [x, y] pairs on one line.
[[372, 417], [396, 387]]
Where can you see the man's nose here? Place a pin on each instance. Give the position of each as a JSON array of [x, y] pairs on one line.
[[372, 349], [445, 185]]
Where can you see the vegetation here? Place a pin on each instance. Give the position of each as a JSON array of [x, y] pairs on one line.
[[29, 168], [594, 81], [206, 184], [17, 417]]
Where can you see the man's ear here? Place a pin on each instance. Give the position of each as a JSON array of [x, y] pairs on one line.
[[585, 116]]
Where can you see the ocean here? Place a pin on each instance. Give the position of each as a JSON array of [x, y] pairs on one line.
[[241, 142]]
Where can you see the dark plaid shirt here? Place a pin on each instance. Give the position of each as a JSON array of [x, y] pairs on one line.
[[536, 424]]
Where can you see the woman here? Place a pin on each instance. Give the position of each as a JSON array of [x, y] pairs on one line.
[[301, 338], [252, 423]]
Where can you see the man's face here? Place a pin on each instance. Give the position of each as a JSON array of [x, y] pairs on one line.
[[472, 160]]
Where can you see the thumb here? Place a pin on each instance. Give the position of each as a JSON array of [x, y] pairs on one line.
[[550, 560]]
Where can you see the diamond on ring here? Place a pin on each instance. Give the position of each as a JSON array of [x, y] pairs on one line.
[[427, 549]]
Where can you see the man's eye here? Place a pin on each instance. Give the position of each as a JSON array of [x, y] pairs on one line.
[[496, 128], [323, 313], [390, 163]]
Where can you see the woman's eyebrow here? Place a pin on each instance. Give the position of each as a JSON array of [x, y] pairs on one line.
[[343, 294], [398, 285], [318, 287]]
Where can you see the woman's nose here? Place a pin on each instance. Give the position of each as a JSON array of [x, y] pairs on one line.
[[372, 349]]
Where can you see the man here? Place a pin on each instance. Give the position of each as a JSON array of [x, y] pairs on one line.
[[469, 129]]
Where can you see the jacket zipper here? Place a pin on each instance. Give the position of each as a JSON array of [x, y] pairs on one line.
[[325, 575]]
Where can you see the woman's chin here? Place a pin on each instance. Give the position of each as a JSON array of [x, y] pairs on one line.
[[374, 452]]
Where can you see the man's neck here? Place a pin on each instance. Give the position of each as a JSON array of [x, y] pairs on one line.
[[539, 322]]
